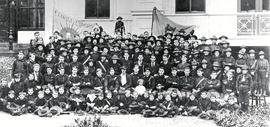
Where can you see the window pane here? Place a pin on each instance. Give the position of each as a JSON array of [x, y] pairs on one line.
[[104, 8], [266, 5], [24, 3], [247, 5], [91, 8], [198, 5], [182, 5], [24, 18], [36, 18]]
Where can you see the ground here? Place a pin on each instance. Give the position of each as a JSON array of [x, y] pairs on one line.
[[112, 120]]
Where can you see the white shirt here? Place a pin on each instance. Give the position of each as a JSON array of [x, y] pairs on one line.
[[123, 79]]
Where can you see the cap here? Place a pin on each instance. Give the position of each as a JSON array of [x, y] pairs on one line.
[[214, 37], [123, 67], [203, 38], [244, 67], [204, 61], [252, 51], [115, 57], [228, 50], [261, 53], [119, 17], [225, 37], [174, 68], [240, 52], [216, 64], [207, 49]]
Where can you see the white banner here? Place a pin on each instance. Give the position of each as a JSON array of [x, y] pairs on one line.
[[69, 27]]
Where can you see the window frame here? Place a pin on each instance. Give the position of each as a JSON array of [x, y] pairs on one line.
[[97, 17], [28, 8], [190, 7], [258, 6]]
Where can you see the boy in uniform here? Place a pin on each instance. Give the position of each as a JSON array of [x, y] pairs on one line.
[[263, 73], [244, 85], [150, 107]]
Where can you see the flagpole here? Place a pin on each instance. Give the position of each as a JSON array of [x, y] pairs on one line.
[[53, 16], [154, 9]]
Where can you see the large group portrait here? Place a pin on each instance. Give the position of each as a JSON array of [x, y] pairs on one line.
[[131, 63]]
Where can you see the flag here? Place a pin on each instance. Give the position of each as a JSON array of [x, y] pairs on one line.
[[69, 27], [161, 24]]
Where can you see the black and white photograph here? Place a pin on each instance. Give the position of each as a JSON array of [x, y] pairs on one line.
[[134, 63]]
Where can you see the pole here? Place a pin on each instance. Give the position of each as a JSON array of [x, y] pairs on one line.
[[11, 5], [153, 12], [53, 16]]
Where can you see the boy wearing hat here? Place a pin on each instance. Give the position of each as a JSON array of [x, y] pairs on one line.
[[115, 64], [214, 44], [244, 84], [263, 73], [228, 59], [252, 61], [119, 26], [240, 61]]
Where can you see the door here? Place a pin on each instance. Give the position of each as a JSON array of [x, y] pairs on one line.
[[4, 21]]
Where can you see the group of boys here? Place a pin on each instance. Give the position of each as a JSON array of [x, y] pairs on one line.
[[168, 75]]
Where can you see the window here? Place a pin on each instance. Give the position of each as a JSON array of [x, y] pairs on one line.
[[31, 14], [97, 9], [189, 5], [253, 5]]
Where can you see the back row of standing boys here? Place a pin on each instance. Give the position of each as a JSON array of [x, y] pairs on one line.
[[168, 75]]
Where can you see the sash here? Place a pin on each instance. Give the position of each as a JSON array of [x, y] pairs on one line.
[[87, 59], [102, 66], [200, 82]]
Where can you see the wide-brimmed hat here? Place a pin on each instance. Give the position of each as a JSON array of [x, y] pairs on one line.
[[261, 53], [115, 57], [251, 51], [119, 17], [214, 37], [203, 38], [216, 64], [223, 36]]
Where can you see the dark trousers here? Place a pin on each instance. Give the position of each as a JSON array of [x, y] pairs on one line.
[[244, 97], [77, 106], [263, 86]]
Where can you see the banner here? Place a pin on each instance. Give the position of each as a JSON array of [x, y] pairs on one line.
[[161, 24], [69, 27]]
